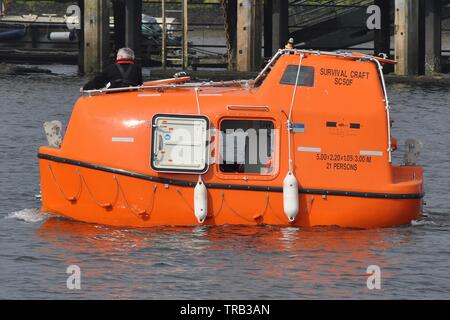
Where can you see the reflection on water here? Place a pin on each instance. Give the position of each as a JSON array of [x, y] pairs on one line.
[[263, 262], [289, 262]]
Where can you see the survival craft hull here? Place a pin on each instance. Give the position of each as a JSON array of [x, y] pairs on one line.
[[167, 153]]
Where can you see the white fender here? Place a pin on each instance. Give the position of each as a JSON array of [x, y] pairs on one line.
[[200, 201], [53, 131], [61, 36], [290, 196]]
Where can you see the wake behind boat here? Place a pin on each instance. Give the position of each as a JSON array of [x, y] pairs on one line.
[[306, 143]]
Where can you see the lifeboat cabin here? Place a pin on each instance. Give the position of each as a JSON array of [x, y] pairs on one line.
[[306, 143]]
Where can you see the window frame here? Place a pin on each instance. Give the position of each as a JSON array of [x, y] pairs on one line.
[[299, 83], [207, 143], [249, 176]]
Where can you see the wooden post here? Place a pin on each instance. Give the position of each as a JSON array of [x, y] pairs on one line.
[[248, 35], [244, 35], [119, 23], [231, 30], [133, 25], [383, 35], [257, 36], [267, 28], [185, 34], [80, 36], [421, 38], [96, 35], [280, 25], [406, 37], [433, 36], [163, 36]]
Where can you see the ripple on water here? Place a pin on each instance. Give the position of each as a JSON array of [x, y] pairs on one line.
[[418, 223], [28, 215]]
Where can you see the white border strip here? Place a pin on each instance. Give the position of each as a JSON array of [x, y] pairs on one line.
[[210, 94], [122, 139], [309, 149], [371, 153]]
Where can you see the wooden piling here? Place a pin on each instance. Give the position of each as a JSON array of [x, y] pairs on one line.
[[280, 25], [433, 36], [185, 44], [268, 47], [80, 36], [383, 36], [96, 35], [257, 36], [231, 32], [119, 23], [249, 35], [133, 25], [406, 37]]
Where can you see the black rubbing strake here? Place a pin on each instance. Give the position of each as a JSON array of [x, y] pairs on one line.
[[182, 183]]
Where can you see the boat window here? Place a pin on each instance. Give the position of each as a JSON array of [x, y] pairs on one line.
[[180, 143], [305, 79], [247, 146]]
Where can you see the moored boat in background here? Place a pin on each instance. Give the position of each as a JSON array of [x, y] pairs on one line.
[[12, 33]]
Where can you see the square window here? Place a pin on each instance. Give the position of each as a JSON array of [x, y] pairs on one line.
[[247, 146], [305, 79], [180, 143]]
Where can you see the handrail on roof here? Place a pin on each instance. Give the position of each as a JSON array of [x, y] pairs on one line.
[[241, 83], [233, 83]]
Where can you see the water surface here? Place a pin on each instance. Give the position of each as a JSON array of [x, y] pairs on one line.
[[262, 262]]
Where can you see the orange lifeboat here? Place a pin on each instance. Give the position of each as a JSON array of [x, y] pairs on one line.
[[307, 143]]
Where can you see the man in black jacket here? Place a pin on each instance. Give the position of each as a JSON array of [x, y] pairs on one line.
[[123, 73]]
